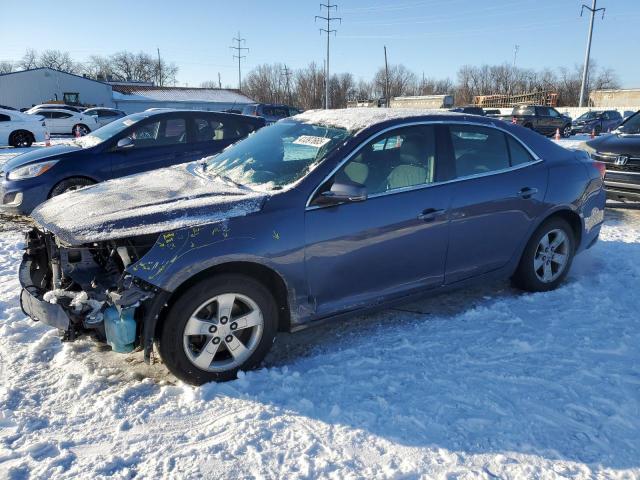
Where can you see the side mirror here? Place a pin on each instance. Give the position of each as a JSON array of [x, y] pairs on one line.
[[125, 142], [342, 193]]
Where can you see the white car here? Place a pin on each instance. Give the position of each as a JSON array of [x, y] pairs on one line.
[[19, 129], [66, 122], [104, 115], [54, 105]]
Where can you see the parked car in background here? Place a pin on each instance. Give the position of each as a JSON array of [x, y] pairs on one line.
[[66, 122], [270, 112], [596, 121], [471, 109], [104, 115], [19, 129], [542, 119], [492, 112], [5, 107], [136, 143], [56, 106], [309, 219], [620, 152]]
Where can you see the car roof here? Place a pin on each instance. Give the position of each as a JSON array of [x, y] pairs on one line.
[[356, 119], [63, 110]]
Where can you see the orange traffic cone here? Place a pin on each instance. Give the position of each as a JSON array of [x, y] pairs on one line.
[[557, 135], [593, 133], [47, 139]]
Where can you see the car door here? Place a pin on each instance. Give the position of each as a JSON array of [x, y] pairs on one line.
[[499, 190], [556, 120], [391, 243], [63, 122], [155, 143], [5, 126]]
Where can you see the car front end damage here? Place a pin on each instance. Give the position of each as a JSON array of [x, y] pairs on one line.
[[86, 289]]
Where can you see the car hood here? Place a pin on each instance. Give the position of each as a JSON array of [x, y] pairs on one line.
[[614, 143], [146, 203], [40, 155]]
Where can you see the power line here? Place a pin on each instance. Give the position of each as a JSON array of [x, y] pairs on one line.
[[286, 72], [239, 48], [593, 11], [328, 31]]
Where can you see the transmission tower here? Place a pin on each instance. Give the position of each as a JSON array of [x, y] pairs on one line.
[[328, 31], [585, 71], [286, 73], [239, 49]]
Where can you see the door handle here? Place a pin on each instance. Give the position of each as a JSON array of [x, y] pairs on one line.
[[527, 192], [430, 214]]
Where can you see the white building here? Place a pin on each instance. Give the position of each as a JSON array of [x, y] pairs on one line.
[[26, 88], [136, 98]]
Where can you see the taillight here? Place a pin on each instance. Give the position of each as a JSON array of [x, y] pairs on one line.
[[602, 168]]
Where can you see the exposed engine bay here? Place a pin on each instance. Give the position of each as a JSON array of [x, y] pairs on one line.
[[86, 289]]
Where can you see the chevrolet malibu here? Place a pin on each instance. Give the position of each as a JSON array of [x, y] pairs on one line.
[[315, 217]]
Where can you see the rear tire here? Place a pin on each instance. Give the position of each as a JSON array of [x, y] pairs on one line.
[[21, 139], [84, 130], [547, 258], [222, 340], [69, 185]]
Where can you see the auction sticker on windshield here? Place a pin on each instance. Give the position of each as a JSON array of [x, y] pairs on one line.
[[311, 141]]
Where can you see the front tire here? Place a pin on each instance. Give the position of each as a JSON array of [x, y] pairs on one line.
[[566, 131], [547, 257], [217, 327], [69, 185]]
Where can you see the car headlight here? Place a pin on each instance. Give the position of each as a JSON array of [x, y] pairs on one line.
[[30, 171]]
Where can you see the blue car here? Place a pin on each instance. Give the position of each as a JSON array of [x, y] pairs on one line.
[[313, 218], [137, 143], [597, 122]]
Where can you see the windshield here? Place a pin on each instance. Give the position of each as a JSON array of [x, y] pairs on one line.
[[276, 156], [588, 116], [631, 125], [109, 130]]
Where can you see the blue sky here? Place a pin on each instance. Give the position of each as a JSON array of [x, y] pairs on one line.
[[431, 36]]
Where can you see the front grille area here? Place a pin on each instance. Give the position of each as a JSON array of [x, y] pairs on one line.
[[632, 165]]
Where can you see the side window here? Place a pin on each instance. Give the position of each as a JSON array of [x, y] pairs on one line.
[[4, 118], [478, 150], [401, 158], [518, 153], [553, 112], [175, 131], [60, 115], [146, 135]]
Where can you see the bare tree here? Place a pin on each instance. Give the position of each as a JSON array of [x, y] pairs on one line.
[[309, 86], [265, 83], [209, 84], [6, 67], [57, 60], [402, 81], [29, 60]]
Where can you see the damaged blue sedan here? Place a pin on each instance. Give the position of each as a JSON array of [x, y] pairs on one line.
[[313, 218]]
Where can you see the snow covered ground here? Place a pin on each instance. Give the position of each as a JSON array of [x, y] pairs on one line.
[[482, 383]]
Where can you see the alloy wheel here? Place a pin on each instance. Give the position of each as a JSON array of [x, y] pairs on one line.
[[551, 256], [223, 332]]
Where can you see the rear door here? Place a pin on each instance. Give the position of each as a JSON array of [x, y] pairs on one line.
[[156, 143], [499, 192], [393, 242]]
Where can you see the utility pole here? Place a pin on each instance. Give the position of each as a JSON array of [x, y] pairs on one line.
[[159, 69], [239, 48], [516, 48], [219, 81], [585, 72], [287, 74], [328, 31], [386, 78]]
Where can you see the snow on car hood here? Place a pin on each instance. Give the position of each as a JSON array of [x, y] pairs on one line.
[[146, 203]]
